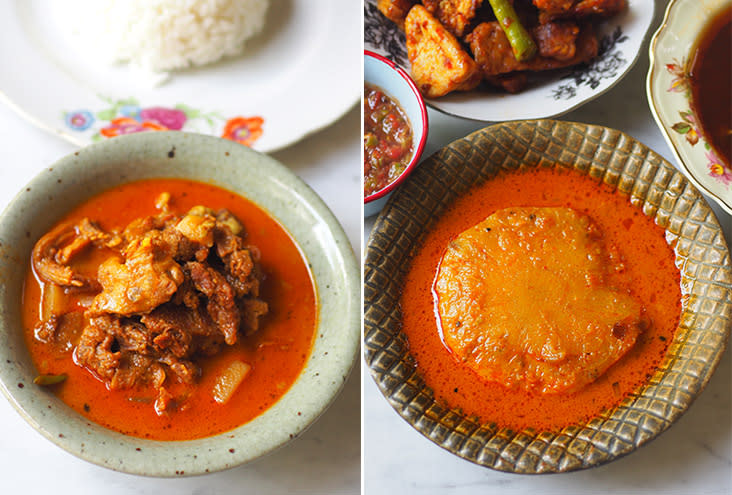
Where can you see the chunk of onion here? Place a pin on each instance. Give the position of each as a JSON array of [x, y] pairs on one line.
[[228, 381], [52, 301]]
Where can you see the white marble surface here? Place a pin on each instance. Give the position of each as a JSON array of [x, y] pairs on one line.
[[694, 457], [323, 460]]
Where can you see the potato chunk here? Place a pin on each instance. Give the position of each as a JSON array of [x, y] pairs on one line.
[[229, 380], [526, 299], [439, 64]]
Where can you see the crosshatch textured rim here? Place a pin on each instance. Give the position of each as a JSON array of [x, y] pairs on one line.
[[650, 183]]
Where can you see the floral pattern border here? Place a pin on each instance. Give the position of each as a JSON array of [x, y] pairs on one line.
[[606, 65], [689, 126], [127, 115]]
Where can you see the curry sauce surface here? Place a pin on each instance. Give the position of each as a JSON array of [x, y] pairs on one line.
[[649, 273], [277, 353]]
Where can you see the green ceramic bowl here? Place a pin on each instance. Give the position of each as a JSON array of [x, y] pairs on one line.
[[261, 179]]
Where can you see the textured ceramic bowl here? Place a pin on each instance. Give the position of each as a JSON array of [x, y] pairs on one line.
[[621, 38], [259, 178], [605, 155], [669, 96], [385, 74]]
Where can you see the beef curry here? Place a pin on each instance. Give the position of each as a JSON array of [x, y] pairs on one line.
[[168, 309]]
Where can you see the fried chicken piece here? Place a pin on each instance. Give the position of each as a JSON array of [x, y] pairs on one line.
[[494, 55], [395, 10], [439, 64], [455, 15], [513, 82], [602, 8], [556, 40], [554, 6], [573, 9]]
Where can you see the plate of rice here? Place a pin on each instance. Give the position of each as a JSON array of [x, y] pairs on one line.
[[253, 71]]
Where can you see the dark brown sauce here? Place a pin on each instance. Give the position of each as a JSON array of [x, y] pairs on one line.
[[711, 83]]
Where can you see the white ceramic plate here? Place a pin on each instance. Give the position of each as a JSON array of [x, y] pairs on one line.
[[669, 96], [557, 93], [286, 76]]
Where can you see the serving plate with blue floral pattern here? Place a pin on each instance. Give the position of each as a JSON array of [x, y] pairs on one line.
[[549, 94]]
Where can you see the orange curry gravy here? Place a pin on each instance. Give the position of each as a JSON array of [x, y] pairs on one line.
[[277, 352], [650, 273]]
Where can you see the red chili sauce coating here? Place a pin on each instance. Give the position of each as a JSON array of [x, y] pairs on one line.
[[650, 273], [277, 352]]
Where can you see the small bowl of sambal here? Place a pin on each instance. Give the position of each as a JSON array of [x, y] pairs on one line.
[[395, 129]]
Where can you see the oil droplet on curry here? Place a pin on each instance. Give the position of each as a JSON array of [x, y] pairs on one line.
[[173, 309], [540, 299]]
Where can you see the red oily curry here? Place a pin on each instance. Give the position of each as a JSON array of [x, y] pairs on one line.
[[168, 309], [540, 299]]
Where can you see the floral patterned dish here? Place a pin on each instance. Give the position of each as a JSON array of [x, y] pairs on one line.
[[621, 38], [669, 96], [49, 79]]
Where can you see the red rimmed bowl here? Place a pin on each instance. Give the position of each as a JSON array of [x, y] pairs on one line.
[[396, 83]]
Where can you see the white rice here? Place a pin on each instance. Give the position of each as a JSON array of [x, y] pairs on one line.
[[164, 35]]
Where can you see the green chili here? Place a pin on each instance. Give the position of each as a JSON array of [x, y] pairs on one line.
[[46, 380], [521, 41]]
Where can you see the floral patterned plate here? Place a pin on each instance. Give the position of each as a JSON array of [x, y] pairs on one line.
[[552, 94], [280, 90], [669, 94]]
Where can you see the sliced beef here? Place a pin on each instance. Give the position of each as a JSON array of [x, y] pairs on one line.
[[238, 261], [251, 311], [174, 289], [221, 305], [97, 349], [173, 328], [137, 369], [455, 15]]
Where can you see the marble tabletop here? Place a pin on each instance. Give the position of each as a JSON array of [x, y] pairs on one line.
[[325, 459], [694, 457]]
